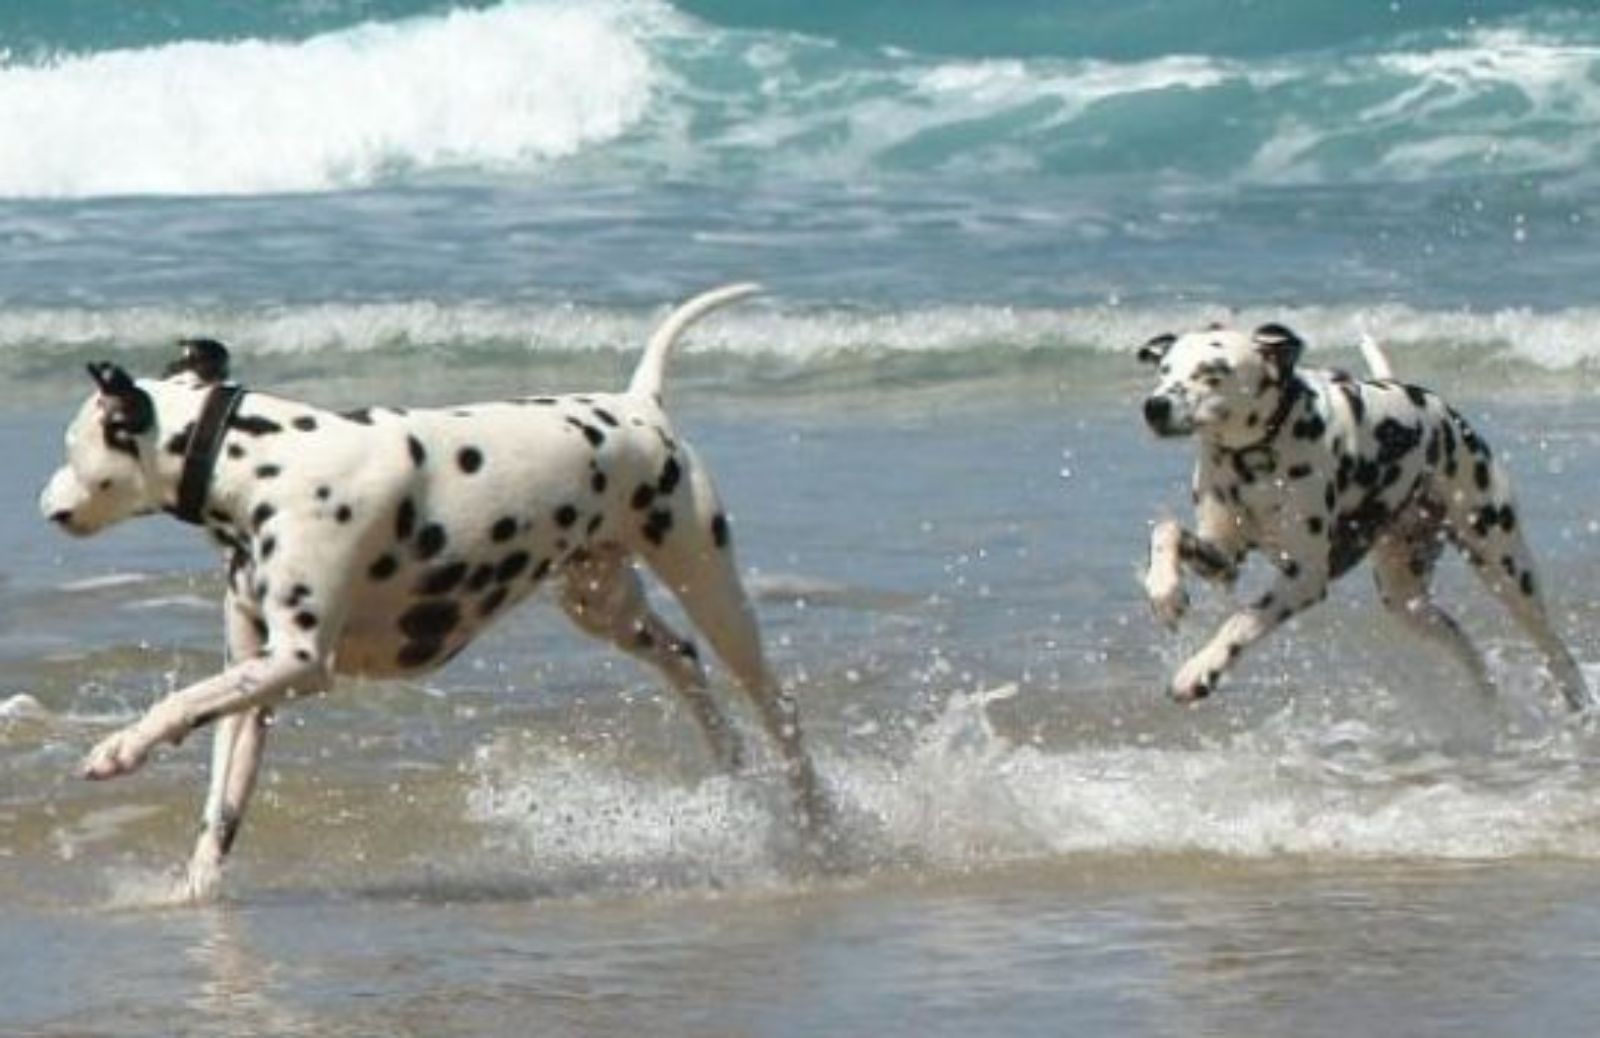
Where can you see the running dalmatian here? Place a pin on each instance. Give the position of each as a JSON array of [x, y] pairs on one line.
[[380, 542], [1318, 470]]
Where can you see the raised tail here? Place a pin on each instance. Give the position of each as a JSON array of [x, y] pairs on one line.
[[647, 377], [1377, 361]]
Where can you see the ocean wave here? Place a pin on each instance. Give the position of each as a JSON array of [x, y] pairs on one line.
[[638, 88], [766, 338], [513, 87]]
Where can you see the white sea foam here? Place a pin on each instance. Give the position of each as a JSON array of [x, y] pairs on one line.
[[508, 87], [809, 337], [962, 796], [511, 89]]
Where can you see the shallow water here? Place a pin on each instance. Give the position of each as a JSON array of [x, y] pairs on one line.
[[1029, 831]]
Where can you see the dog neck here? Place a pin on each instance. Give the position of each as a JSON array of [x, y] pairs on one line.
[[1291, 391]]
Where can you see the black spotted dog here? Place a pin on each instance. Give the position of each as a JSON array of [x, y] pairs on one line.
[[1318, 470], [380, 542]]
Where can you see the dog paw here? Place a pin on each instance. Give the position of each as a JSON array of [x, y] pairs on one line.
[[1194, 683], [117, 755]]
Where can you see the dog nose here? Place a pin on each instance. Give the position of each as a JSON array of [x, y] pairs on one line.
[[61, 517], [1157, 412]]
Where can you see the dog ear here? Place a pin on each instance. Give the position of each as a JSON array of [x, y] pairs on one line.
[[1279, 345], [1153, 351], [206, 358], [123, 404]]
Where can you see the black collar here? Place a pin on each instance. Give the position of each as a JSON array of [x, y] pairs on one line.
[[200, 456], [1293, 390]]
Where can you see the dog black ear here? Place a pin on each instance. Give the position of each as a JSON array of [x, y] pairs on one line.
[[1153, 351], [1279, 345], [126, 407], [206, 358]]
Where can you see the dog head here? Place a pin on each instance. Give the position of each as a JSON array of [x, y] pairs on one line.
[[1219, 383], [115, 465]]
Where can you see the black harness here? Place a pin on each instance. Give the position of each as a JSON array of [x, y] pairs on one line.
[[200, 456], [1259, 456]]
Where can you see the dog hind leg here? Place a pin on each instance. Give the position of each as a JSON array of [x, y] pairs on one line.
[[695, 559], [604, 597], [1402, 568], [1485, 525]]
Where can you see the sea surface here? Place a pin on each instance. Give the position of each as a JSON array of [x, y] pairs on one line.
[[966, 217]]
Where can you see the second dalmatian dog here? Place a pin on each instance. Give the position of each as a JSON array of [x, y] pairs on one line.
[[380, 542], [1318, 470]]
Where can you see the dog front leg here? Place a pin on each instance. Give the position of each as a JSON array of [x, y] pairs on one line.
[[1198, 677], [1171, 547], [255, 682], [220, 818]]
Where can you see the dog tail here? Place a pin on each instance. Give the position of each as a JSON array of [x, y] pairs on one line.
[[648, 376], [1377, 361]]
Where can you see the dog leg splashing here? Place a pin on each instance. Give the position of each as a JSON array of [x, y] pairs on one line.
[[1318, 470], [380, 542]]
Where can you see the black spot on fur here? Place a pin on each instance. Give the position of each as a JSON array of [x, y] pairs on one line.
[[1527, 584], [480, 577], [442, 580], [419, 454], [430, 621], [430, 541], [597, 483], [305, 423], [305, 620], [1353, 533], [405, 520], [511, 565], [234, 451], [361, 416], [1311, 427], [1396, 440], [657, 525], [268, 471], [503, 529], [179, 443], [343, 514], [261, 515], [670, 474], [565, 516], [268, 546], [643, 497], [605, 416], [254, 425], [470, 459], [719, 530]]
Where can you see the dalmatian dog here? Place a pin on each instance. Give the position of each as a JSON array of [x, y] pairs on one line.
[[1318, 470], [380, 542]]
